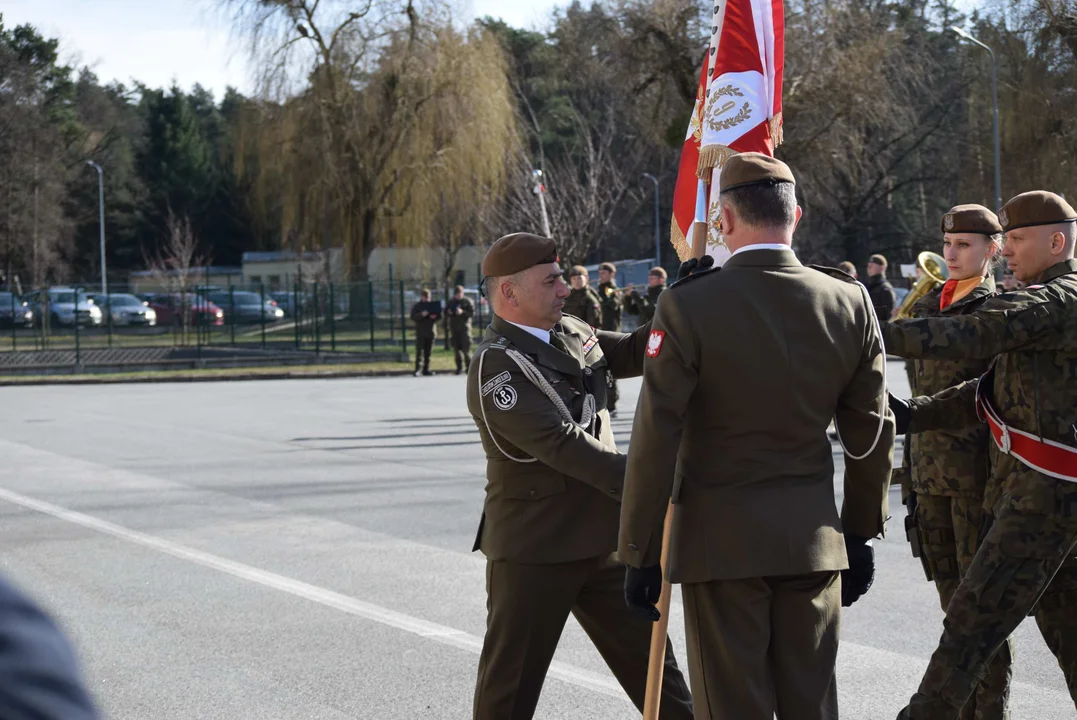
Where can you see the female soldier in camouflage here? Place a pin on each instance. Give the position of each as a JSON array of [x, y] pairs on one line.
[[949, 469]]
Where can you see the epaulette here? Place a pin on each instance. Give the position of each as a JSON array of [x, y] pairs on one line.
[[834, 273], [694, 276]]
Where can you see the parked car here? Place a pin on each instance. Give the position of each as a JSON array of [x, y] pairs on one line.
[[288, 301], [171, 309], [241, 306], [125, 309], [64, 305], [15, 311]]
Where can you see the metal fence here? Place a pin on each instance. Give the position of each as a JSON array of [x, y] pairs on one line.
[[309, 317]]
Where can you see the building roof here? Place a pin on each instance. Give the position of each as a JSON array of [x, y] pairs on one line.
[[211, 270], [286, 255]]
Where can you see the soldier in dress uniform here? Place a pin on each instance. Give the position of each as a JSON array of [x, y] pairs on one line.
[[612, 307], [460, 310], [1025, 560], [644, 305], [735, 434], [944, 491], [582, 301], [537, 392]]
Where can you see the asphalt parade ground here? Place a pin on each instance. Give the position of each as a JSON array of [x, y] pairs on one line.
[[301, 550]]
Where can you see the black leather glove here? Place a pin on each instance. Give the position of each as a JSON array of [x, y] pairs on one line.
[[694, 265], [902, 414], [861, 573], [643, 586]]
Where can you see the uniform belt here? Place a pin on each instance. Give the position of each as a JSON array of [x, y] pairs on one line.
[[1045, 456]]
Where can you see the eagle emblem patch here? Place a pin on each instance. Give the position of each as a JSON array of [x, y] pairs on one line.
[[949, 221], [654, 343], [1003, 217]]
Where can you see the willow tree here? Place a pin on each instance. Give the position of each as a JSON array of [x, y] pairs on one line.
[[371, 121]]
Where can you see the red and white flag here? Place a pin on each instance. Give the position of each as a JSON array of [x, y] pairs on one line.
[[739, 111]]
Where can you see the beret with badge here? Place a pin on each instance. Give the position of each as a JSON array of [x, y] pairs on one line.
[[752, 168], [971, 219], [1038, 207], [518, 252]]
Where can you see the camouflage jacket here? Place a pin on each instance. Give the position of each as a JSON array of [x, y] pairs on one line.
[[460, 324], [644, 305], [951, 462], [1033, 333], [610, 297], [585, 305]]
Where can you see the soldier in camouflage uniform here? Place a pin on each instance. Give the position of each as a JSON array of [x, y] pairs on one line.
[[1029, 399], [583, 302], [945, 489], [610, 297], [644, 305]]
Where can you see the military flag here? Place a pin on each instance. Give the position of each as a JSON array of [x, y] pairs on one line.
[[738, 109]]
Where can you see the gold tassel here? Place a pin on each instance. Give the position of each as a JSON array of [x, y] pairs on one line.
[[711, 157], [777, 131], [680, 244]]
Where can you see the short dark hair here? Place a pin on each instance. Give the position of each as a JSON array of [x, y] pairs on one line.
[[764, 205]]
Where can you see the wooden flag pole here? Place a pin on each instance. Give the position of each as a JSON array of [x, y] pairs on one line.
[[656, 663]]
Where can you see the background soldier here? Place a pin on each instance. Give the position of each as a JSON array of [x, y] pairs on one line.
[[460, 310], [736, 435], [537, 392], [583, 302], [425, 314], [949, 468], [880, 289], [644, 305], [610, 296], [848, 268], [1028, 399]]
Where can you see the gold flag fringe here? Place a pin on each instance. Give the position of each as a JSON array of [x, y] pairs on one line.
[[710, 157], [777, 130], [680, 244]]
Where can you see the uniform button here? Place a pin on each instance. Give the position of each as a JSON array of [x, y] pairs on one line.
[[632, 547], [532, 493], [587, 371]]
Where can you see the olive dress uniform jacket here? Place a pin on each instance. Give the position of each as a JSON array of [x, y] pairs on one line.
[[745, 368], [562, 503]]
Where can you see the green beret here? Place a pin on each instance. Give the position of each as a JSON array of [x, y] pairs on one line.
[[971, 219], [516, 253], [753, 168], [1038, 207]]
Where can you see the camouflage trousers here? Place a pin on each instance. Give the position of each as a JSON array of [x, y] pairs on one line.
[[1026, 546], [950, 527]]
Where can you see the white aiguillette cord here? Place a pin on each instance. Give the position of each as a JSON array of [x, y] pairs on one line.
[[883, 401], [532, 373]]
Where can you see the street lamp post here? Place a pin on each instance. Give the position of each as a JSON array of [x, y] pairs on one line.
[[540, 190], [657, 223], [101, 220], [994, 98]]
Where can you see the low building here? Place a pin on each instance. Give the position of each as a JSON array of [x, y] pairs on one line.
[[154, 281], [282, 269]]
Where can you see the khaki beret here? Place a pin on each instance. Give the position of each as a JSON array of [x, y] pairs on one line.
[[970, 219], [577, 270], [516, 253], [1038, 207], [659, 272], [608, 267], [753, 168]]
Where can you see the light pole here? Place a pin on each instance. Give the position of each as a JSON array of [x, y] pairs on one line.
[[657, 223], [994, 98], [540, 190], [101, 219]]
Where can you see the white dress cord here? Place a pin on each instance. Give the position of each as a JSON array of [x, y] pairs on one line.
[[533, 374], [884, 400]]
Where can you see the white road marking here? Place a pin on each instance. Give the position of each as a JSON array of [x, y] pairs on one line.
[[433, 631]]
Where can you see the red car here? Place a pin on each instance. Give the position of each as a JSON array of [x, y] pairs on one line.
[[171, 309]]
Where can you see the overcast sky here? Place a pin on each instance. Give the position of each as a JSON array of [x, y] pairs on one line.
[[158, 41]]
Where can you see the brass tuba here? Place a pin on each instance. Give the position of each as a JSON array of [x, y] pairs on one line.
[[935, 273]]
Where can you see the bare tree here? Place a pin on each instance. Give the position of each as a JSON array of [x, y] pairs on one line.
[[174, 266]]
